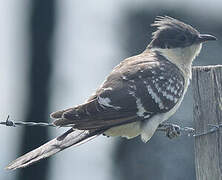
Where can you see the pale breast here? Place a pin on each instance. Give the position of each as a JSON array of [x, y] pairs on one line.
[[129, 130]]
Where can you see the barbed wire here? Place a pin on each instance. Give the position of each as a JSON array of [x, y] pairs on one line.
[[171, 130], [11, 123]]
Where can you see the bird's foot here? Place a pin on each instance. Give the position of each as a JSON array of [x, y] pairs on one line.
[[172, 130]]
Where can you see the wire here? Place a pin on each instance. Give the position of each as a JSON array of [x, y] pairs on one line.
[[171, 130]]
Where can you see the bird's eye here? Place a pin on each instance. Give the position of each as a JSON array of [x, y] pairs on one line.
[[182, 38]]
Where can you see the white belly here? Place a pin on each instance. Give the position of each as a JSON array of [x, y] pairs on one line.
[[129, 130]]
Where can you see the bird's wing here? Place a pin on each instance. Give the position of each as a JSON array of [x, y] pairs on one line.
[[135, 90]]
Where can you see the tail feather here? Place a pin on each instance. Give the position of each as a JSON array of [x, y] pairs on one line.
[[69, 138], [63, 122], [58, 114]]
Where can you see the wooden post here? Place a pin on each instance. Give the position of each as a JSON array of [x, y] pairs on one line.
[[207, 109]]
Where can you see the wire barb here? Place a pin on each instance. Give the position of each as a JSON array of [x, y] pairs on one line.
[[11, 123]]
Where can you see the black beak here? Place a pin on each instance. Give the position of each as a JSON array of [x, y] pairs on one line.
[[205, 37]]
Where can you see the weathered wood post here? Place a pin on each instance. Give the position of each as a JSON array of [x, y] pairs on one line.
[[207, 109]]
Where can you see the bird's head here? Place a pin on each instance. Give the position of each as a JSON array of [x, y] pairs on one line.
[[177, 41], [172, 33]]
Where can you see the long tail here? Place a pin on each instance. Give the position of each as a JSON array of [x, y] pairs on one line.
[[69, 138]]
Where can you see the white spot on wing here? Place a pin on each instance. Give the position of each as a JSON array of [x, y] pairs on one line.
[[105, 102], [155, 97], [124, 77], [157, 87], [153, 72], [171, 81], [141, 109], [108, 89], [144, 82], [133, 86], [147, 116], [162, 68], [175, 99], [131, 92]]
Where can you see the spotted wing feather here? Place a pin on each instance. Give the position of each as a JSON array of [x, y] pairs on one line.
[[136, 89]]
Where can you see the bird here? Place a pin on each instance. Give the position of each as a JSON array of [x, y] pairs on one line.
[[137, 96]]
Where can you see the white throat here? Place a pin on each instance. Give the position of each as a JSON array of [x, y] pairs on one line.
[[182, 57]]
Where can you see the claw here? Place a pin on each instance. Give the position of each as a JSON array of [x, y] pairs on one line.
[[173, 131]]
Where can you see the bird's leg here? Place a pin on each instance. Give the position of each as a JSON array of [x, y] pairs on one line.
[[172, 130]]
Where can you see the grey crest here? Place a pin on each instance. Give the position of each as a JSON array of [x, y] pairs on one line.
[[172, 33]]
